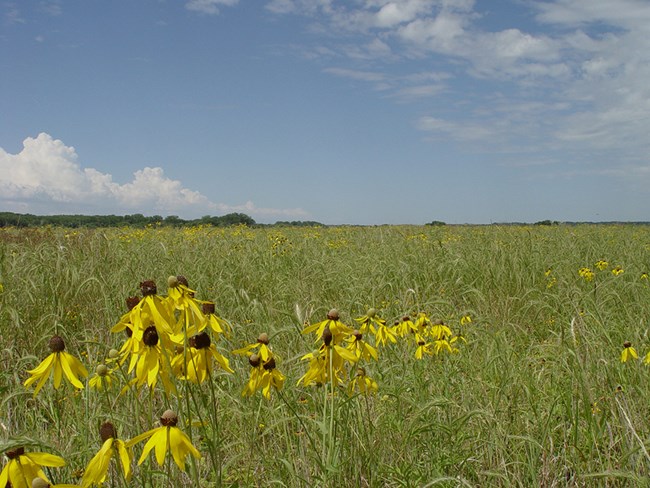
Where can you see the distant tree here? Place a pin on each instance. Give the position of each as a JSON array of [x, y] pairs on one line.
[[436, 223]]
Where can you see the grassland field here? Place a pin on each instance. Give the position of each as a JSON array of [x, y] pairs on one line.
[[534, 392]]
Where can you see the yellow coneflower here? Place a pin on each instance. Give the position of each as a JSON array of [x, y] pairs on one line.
[[586, 273], [218, 325], [102, 379], [362, 383], [439, 330], [360, 348], [370, 322], [196, 360], [337, 329], [628, 352], [58, 364], [97, 469], [152, 362], [385, 334], [165, 438], [23, 467], [406, 326], [423, 347], [261, 347], [263, 376], [328, 362]]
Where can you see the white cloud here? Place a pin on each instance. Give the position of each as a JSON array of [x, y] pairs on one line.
[[355, 74], [210, 7], [46, 176]]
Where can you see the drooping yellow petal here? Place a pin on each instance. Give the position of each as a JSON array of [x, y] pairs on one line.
[[97, 469], [45, 459], [71, 367], [125, 458]]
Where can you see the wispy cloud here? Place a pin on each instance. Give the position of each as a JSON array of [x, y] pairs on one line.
[[46, 174], [575, 79], [210, 7]]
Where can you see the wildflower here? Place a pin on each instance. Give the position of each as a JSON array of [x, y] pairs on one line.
[[59, 363], [423, 347], [406, 326], [327, 363], [363, 383], [263, 376], [261, 346], [23, 467], [337, 328], [125, 320], [165, 438], [97, 469], [548, 272], [628, 352], [102, 380], [197, 359], [439, 330], [360, 348], [447, 345], [368, 322], [618, 270], [152, 361], [263, 373], [385, 334], [601, 264], [152, 308], [422, 322], [191, 320], [216, 324], [644, 276], [586, 273], [465, 320]]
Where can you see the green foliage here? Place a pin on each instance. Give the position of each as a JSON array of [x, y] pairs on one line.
[[9, 219]]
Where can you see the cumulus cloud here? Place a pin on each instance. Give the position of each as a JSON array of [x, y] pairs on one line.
[[45, 176], [210, 7]]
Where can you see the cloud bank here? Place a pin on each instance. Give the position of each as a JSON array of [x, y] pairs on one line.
[[45, 177]]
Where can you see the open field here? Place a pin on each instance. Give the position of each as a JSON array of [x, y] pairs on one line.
[[533, 392]]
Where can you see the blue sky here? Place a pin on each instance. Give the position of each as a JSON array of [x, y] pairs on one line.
[[343, 112]]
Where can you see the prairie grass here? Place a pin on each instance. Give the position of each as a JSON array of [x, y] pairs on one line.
[[538, 396]]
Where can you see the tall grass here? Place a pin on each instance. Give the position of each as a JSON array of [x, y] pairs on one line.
[[537, 397]]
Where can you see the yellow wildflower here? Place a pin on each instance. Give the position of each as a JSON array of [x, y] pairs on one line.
[[23, 467], [57, 364], [363, 383], [97, 469], [165, 438], [628, 352]]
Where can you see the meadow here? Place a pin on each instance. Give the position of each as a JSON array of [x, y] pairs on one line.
[[507, 367]]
